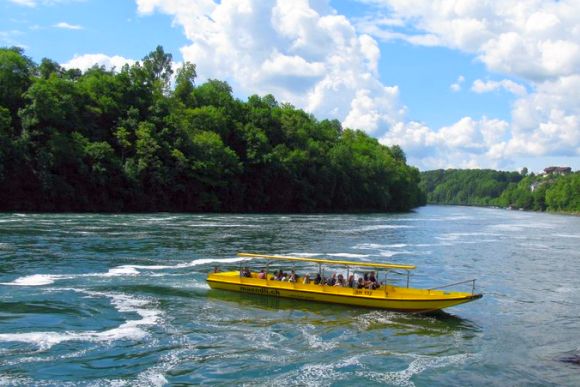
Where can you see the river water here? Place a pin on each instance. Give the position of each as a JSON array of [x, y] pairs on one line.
[[122, 300]]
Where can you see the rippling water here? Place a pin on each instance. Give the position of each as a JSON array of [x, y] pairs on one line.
[[122, 299]]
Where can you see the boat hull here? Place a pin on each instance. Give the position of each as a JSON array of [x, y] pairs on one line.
[[401, 299]]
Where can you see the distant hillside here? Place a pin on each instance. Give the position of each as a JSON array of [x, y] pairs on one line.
[[554, 191]]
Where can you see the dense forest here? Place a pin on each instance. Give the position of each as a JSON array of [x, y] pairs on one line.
[[485, 187], [142, 138]]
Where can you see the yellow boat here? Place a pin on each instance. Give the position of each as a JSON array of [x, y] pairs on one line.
[[384, 296]]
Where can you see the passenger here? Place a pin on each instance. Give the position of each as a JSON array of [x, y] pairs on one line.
[[262, 274], [332, 280], [306, 280], [373, 283], [361, 283], [317, 279], [292, 277], [340, 281], [351, 283], [216, 269], [280, 275], [284, 277]]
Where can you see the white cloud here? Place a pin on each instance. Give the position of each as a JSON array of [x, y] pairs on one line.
[[456, 87], [480, 86], [468, 143], [26, 3], [302, 52], [34, 3], [536, 42], [84, 62], [68, 26]]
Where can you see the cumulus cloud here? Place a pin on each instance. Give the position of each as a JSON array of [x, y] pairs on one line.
[[468, 143], [302, 51], [535, 41], [456, 87], [84, 62], [480, 86], [68, 26]]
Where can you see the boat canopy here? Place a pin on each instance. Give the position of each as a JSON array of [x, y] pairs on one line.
[[329, 261]]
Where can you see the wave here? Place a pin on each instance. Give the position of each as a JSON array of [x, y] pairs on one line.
[[390, 253], [373, 246], [129, 330], [418, 365], [304, 255], [348, 255], [123, 270], [567, 235], [320, 374], [35, 280], [382, 227], [314, 341]]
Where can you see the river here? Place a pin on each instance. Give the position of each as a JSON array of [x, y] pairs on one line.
[[119, 300]]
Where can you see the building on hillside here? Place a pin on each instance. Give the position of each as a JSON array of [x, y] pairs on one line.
[[557, 170]]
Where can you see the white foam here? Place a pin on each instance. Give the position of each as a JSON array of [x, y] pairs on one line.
[[321, 374], [383, 227], [370, 246], [304, 254], [348, 255], [123, 270], [567, 235], [197, 285], [315, 341], [35, 280], [417, 366], [129, 330], [388, 254], [520, 226]]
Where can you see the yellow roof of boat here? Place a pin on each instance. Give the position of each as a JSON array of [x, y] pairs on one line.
[[329, 261]]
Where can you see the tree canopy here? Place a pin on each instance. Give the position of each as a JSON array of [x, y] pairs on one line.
[[482, 187], [137, 139]]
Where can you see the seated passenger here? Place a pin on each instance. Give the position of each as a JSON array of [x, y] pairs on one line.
[[306, 279], [318, 279], [292, 277], [351, 283], [340, 281], [216, 269], [361, 283], [246, 272], [373, 283], [280, 275], [332, 280], [262, 274]]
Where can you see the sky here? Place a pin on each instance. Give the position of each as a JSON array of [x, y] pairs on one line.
[[455, 83]]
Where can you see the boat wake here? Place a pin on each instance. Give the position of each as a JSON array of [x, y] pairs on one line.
[[129, 330], [123, 270]]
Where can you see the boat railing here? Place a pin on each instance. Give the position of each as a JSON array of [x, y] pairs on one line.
[[456, 283], [406, 274]]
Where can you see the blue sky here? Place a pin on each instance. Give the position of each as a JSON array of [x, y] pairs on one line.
[[456, 84]]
